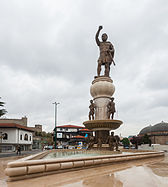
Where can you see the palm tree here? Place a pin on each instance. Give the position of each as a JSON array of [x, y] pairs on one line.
[[2, 111]]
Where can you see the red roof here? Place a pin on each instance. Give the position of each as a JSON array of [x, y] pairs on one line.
[[14, 125], [85, 130], [78, 136], [70, 126]]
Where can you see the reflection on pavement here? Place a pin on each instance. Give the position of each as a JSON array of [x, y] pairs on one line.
[[141, 176], [132, 177]]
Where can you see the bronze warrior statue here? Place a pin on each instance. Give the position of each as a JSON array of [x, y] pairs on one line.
[[91, 142], [111, 141], [117, 140], [106, 53], [111, 108], [99, 143], [92, 110]]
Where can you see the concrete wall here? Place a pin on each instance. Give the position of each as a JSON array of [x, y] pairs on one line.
[[154, 147], [22, 121], [12, 135], [163, 140], [36, 128]]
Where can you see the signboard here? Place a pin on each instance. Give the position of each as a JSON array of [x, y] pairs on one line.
[[71, 130], [86, 135], [59, 135]]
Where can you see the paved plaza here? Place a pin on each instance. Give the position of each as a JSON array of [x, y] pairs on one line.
[[151, 172], [23, 153]]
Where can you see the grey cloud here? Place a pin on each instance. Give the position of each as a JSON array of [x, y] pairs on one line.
[[48, 52]]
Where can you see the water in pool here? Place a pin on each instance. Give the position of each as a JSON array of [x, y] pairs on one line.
[[75, 154]]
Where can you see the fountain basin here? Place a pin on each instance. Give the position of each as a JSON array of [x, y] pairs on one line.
[[79, 153], [108, 124], [28, 168]]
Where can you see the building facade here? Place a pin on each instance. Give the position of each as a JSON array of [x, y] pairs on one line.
[[22, 121], [12, 135], [71, 135], [157, 133], [17, 132], [37, 129]]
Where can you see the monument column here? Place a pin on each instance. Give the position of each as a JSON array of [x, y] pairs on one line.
[[101, 90], [102, 107]]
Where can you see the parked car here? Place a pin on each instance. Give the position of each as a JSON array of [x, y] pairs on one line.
[[59, 147], [71, 147], [126, 147], [48, 147]]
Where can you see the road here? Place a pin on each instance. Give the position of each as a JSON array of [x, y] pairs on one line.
[[2, 155]]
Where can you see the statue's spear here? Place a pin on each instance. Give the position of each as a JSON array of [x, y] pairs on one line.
[[111, 57], [113, 62]]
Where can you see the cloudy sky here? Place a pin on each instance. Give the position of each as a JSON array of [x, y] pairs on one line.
[[48, 53]]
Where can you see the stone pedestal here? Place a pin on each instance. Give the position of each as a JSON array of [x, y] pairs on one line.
[[103, 134], [102, 90]]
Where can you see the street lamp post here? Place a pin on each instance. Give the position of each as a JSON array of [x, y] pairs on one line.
[[55, 103]]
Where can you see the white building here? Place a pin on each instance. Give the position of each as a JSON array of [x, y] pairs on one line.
[[12, 135]]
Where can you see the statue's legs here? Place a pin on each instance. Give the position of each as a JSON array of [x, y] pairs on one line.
[[112, 116], [117, 146], [111, 145], [107, 69], [99, 145], [108, 115], [98, 69], [89, 116]]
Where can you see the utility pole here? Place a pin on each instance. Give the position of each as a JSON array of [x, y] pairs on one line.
[[55, 103]]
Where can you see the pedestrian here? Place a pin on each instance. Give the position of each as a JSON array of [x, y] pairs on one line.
[[18, 150]]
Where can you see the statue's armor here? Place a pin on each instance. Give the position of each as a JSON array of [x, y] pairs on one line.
[[105, 49]]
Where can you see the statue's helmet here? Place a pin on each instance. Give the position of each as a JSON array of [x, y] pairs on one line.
[[104, 37]]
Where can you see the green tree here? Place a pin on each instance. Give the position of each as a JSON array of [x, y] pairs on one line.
[[2, 111], [125, 142], [43, 134], [146, 139]]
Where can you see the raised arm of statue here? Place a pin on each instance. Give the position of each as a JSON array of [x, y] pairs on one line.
[[97, 35]]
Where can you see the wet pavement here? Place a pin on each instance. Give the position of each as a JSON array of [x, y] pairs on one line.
[[153, 174], [149, 172], [23, 153]]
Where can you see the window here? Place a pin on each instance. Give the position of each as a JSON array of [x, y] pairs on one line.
[[30, 138], [26, 137], [21, 137], [5, 136]]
